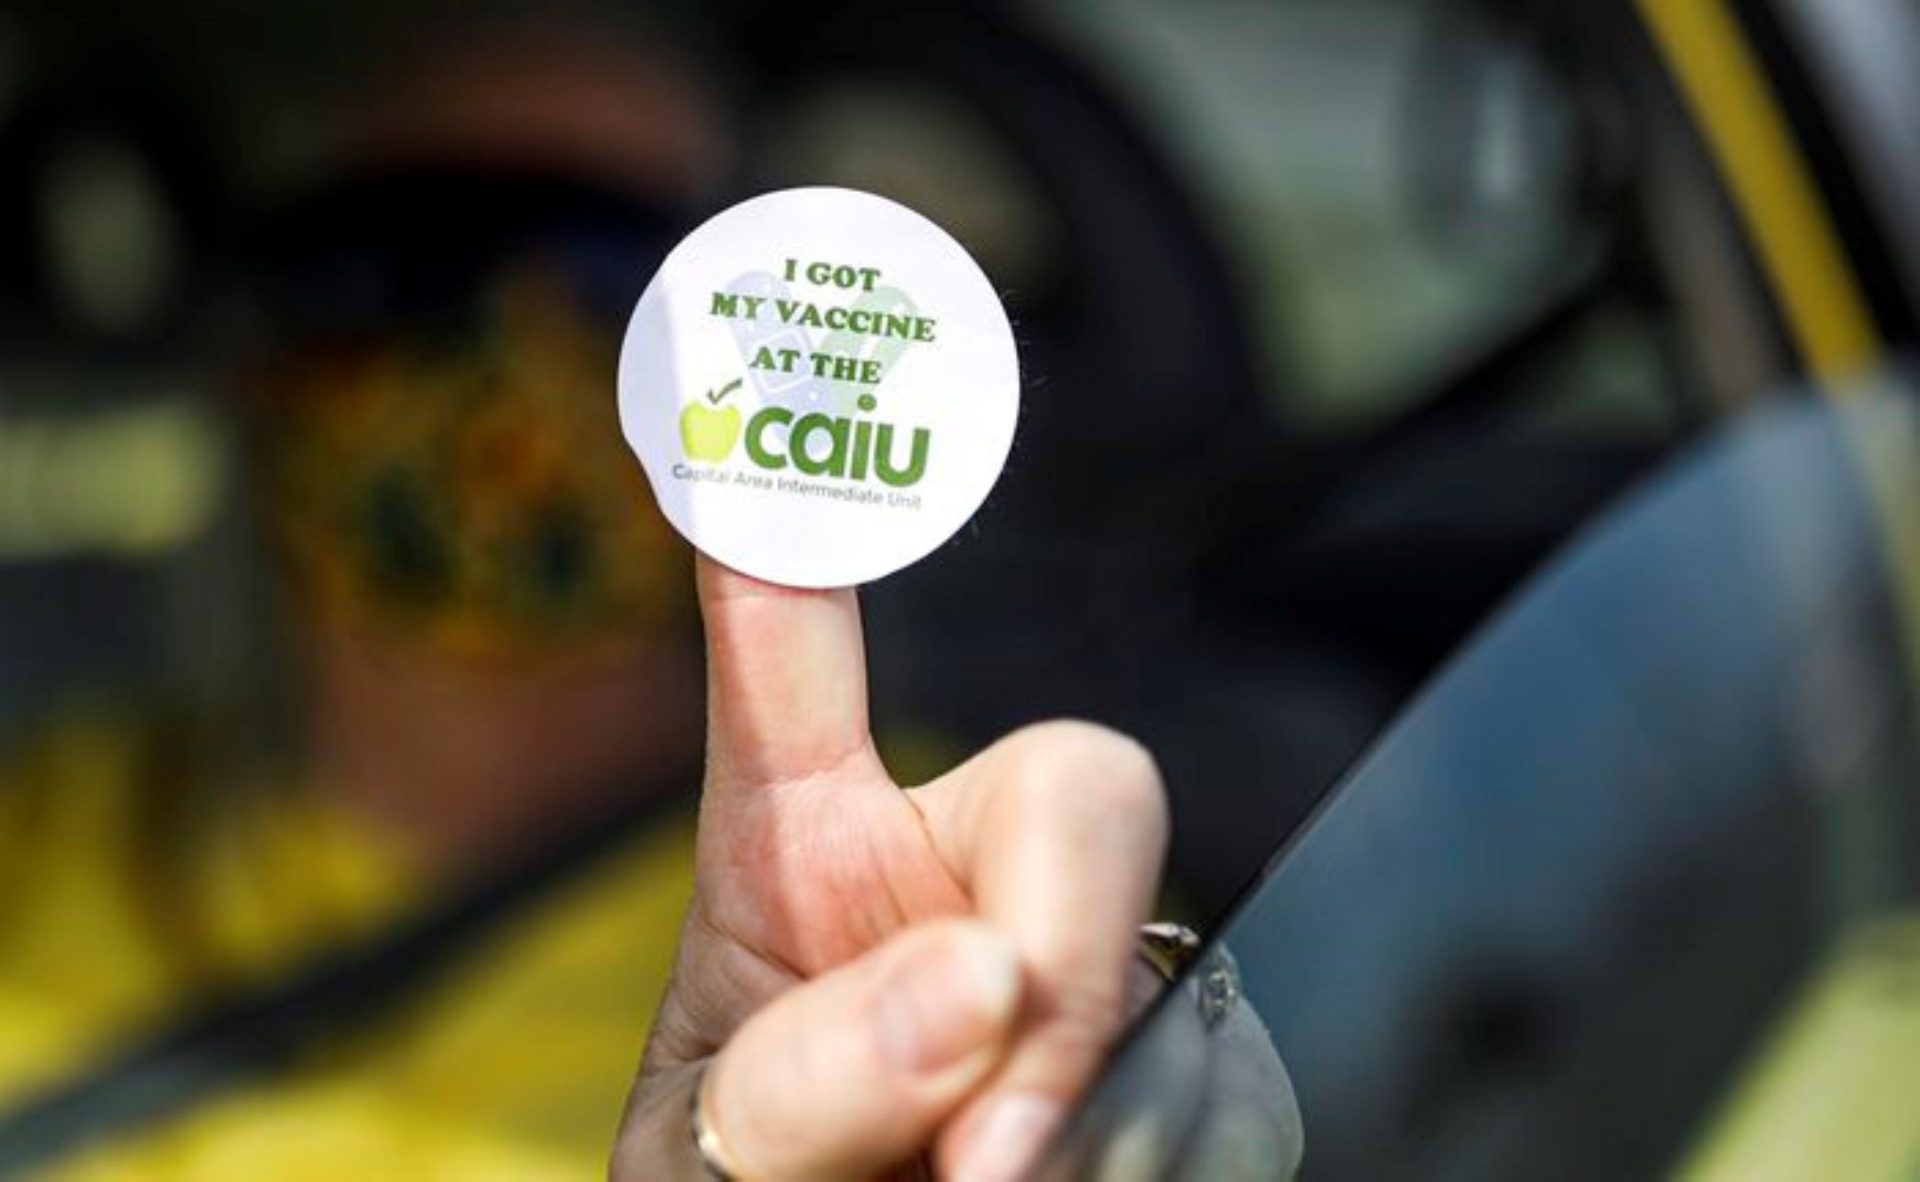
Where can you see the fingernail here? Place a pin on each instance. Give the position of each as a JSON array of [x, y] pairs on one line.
[[948, 1000], [1007, 1139]]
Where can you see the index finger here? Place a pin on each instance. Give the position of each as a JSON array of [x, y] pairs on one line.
[[786, 679]]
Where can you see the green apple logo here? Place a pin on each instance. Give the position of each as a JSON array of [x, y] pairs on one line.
[[709, 432]]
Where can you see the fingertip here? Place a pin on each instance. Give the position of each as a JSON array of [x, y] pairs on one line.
[[854, 1071], [718, 581], [994, 964], [1003, 1140]]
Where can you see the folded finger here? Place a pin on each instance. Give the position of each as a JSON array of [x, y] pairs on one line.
[[1058, 832], [853, 1072]]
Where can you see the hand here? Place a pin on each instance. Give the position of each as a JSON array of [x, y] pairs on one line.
[[868, 974]]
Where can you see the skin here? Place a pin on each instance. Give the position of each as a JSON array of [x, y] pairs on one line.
[[870, 977]]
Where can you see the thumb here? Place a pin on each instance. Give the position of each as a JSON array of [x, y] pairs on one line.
[[854, 1071]]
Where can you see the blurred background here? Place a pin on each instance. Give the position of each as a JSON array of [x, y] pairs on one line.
[[349, 683]]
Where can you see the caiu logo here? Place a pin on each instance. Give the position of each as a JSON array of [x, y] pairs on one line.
[[815, 444]]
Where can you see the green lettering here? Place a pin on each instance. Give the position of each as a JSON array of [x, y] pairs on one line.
[[756, 451], [835, 461], [862, 447], [883, 457]]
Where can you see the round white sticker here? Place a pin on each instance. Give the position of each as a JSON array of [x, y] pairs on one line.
[[821, 385]]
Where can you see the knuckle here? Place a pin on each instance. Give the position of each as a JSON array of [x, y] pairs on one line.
[[1088, 765]]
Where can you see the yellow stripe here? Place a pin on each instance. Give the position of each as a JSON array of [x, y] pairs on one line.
[[1812, 281], [1769, 184]]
